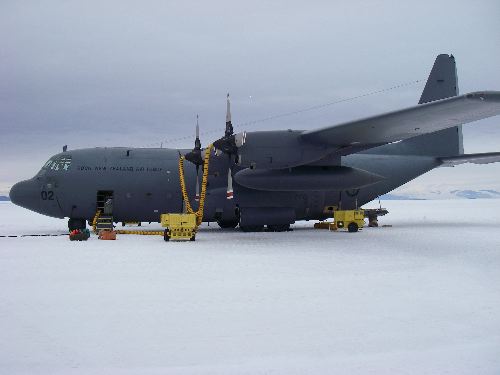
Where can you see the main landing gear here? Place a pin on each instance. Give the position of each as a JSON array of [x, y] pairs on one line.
[[252, 228], [270, 228], [227, 224], [278, 228]]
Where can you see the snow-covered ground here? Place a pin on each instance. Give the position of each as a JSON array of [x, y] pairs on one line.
[[420, 297]]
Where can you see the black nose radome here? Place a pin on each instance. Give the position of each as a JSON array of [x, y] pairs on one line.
[[25, 194], [16, 193]]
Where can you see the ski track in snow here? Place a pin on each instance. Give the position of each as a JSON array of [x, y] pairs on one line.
[[421, 297]]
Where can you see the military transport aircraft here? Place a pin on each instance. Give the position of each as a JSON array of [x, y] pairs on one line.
[[279, 176]]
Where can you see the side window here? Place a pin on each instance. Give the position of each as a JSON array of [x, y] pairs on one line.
[[60, 163], [64, 163]]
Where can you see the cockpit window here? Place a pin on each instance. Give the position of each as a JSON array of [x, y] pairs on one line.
[[59, 163]]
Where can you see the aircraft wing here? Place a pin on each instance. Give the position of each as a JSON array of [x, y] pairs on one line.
[[409, 122], [484, 158]]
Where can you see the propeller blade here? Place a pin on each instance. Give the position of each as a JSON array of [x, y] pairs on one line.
[[197, 142], [229, 193], [197, 194], [194, 156], [229, 126], [227, 143], [197, 146], [230, 147]]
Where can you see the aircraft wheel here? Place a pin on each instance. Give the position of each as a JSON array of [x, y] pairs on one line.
[[76, 224], [227, 224], [252, 228], [372, 221], [166, 236], [278, 228], [352, 227]]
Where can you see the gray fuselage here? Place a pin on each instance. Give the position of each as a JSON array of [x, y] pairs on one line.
[[145, 184]]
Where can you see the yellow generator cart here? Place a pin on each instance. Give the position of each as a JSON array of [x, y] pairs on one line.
[[352, 220], [179, 226]]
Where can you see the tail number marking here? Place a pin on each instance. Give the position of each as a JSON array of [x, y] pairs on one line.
[[47, 195]]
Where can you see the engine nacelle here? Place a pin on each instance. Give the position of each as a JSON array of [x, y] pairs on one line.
[[306, 178], [277, 150]]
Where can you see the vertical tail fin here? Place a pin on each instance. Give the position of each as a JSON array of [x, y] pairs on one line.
[[441, 84]]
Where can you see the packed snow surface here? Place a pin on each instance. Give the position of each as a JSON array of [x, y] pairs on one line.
[[420, 297]]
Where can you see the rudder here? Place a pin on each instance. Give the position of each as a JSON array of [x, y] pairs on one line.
[[441, 84]]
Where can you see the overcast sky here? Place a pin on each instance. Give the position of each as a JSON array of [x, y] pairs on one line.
[[118, 73]]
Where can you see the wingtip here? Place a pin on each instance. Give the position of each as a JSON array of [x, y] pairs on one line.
[[490, 96]]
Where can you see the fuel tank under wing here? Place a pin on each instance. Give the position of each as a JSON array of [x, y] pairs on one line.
[[306, 178]]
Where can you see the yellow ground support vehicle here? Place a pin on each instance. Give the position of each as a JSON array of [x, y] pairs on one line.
[[179, 226], [351, 220]]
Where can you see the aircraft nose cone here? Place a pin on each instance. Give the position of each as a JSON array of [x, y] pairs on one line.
[[16, 193], [24, 194]]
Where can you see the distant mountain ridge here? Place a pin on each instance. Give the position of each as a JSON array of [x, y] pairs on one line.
[[397, 197], [453, 194], [475, 194]]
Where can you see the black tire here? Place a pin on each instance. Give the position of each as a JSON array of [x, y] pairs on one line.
[[252, 228], [227, 224], [166, 236], [352, 227], [278, 228], [193, 238], [76, 224], [372, 221]]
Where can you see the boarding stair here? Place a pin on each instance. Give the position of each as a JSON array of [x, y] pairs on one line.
[[103, 219], [104, 222]]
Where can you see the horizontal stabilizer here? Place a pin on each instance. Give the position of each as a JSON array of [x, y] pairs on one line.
[[485, 158]]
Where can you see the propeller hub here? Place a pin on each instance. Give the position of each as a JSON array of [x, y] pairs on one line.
[[226, 144]]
